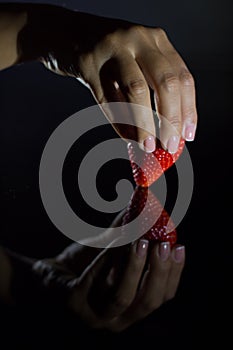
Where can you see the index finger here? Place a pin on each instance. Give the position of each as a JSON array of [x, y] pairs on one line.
[[123, 81]]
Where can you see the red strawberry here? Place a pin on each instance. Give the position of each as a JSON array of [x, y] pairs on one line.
[[154, 222], [148, 167]]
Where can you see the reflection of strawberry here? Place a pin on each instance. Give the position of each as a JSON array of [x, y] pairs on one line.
[[153, 223], [148, 167]]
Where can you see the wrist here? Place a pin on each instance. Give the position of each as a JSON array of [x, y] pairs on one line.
[[43, 32], [11, 23], [30, 32]]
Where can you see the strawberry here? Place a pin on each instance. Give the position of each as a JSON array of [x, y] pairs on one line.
[[148, 167], [153, 221]]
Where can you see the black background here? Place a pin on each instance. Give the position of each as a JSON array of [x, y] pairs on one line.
[[33, 101]]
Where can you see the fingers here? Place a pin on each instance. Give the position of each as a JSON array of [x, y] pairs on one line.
[[159, 284], [78, 300], [178, 259], [124, 293], [163, 81], [188, 105], [122, 299], [121, 79], [135, 90], [95, 281], [169, 77], [76, 257], [124, 76], [152, 292], [187, 88]]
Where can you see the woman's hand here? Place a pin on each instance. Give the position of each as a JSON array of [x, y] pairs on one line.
[[113, 288], [118, 61]]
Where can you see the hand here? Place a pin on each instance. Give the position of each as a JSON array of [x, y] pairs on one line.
[[113, 288], [118, 61]]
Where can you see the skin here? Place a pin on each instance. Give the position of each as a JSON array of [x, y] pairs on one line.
[[117, 61], [108, 288], [106, 295]]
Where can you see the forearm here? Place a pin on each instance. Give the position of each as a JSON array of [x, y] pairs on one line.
[[53, 35]]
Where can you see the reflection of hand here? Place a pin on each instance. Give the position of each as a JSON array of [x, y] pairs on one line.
[[119, 61], [115, 287]]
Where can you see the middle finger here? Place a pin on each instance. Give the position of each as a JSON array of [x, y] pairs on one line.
[[163, 79]]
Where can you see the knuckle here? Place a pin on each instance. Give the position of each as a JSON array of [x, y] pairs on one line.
[[101, 98], [151, 305], [109, 39], [175, 122], [160, 32], [169, 296], [135, 265], [189, 113], [110, 42], [137, 88], [96, 325], [117, 327], [137, 29], [170, 82], [120, 302], [186, 78]]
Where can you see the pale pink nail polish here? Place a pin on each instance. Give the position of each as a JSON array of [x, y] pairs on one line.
[[149, 144], [164, 250], [173, 144], [142, 247], [189, 131], [179, 253]]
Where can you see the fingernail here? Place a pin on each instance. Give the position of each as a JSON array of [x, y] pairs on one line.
[[189, 131], [173, 144], [142, 247], [149, 144], [164, 250], [179, 253]]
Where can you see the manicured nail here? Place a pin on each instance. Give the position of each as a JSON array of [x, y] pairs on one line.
[[189, 131], [164, 250], [142, 247], [179, 253], [173, 144], [149, 144]]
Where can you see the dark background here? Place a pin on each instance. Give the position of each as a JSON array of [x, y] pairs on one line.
[[33, 101]]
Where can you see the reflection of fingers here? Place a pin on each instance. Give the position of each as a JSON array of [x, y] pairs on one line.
[[177, 265], [92, 272], [81, 288], [126, 289], [76, 257], [151, 294]]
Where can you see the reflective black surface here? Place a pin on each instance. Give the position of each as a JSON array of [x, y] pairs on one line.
[[33, 102]]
